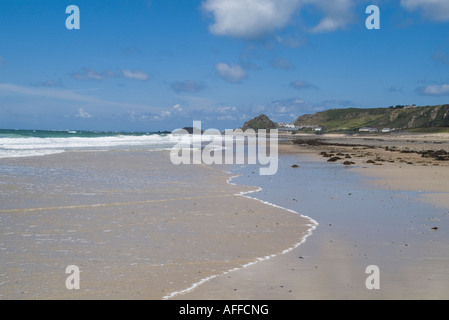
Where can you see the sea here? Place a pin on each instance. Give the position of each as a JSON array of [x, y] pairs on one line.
[[28, 143]]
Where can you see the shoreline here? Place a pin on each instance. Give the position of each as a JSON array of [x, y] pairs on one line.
[[311, 227], [136, 226], [335, 247]]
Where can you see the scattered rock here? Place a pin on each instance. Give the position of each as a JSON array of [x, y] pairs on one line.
[[295, 166], [348, 163], [348, 156], [370, 161], [334, 159], [435, 228], [440, 155], [327, 155]]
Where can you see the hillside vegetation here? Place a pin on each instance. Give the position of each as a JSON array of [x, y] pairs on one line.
[[430, 118], [259, 122]]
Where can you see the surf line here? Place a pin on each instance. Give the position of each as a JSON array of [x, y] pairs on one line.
[[311, 227]]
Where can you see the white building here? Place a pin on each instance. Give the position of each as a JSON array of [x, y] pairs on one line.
[[368, 129]]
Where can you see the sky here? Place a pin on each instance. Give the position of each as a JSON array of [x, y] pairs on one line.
[[149, 65]]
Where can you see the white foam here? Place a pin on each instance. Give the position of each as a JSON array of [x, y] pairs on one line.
[[33, 146], [33, 143], [312, 226], [27, 153]]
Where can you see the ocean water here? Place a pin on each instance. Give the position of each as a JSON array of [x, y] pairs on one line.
[[29, 143], [26, 143]]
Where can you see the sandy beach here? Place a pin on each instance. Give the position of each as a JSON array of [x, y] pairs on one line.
[[139, 227], [392, 212]]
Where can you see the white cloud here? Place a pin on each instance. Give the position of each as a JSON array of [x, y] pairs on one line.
[[434, 90], [437, 10], [45, 92], [63, 94], [90, 74], [165, 114], [228, 109], [249, 19], [162, 115], [336, 14], [136, 75], [83, 114], [255, 19], [177, 107], [232, 73]]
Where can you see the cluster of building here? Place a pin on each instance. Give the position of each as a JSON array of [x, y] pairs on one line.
[[287, 127], [290, 127], [375, 130]]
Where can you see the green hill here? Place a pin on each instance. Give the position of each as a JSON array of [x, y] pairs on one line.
[[429, 118], [260, 122]]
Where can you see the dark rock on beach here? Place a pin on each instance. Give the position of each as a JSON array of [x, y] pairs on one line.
[[440, 155]]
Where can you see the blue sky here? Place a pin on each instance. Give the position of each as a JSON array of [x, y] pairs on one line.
[[158, 65]]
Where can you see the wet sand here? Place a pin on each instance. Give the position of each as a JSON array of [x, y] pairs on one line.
[[137, 232], [137, 226], [383, 213]]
